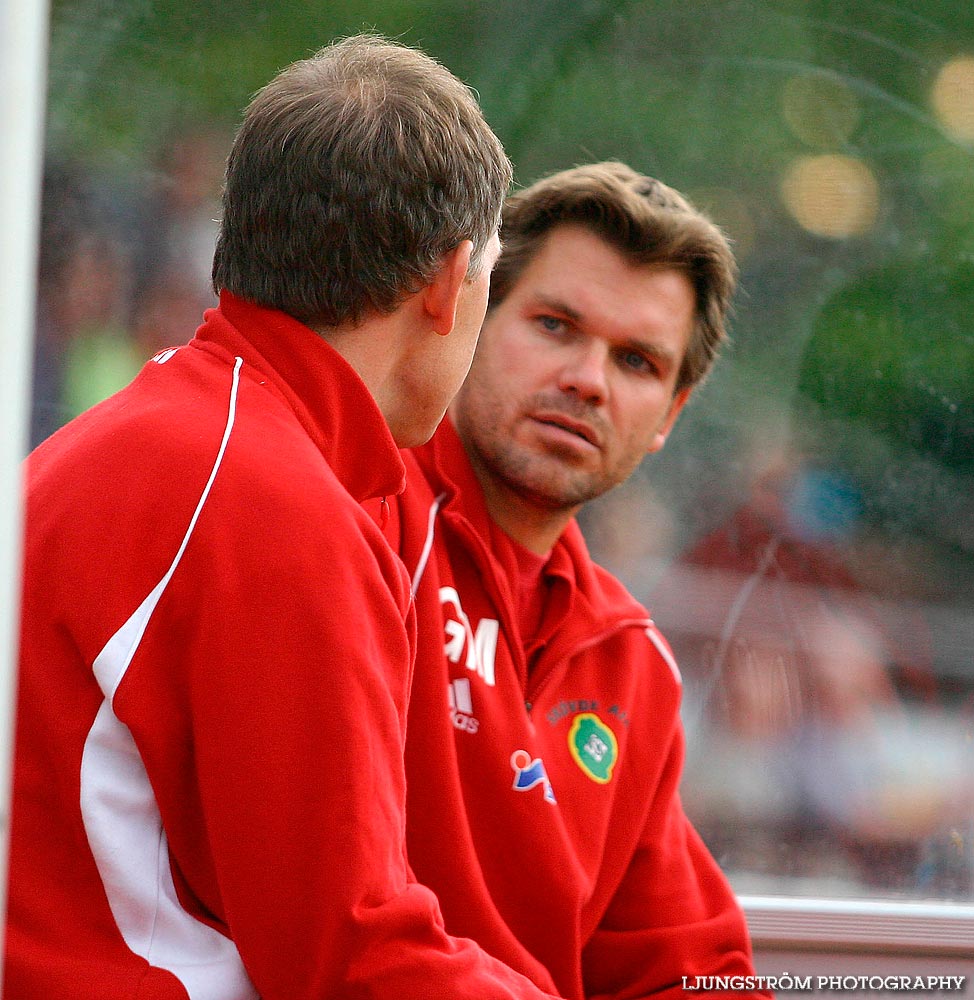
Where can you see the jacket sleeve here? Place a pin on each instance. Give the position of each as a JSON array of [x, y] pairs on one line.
[[289, 837], [673, 917]]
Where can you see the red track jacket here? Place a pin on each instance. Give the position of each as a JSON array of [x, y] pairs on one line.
[[216, 647], [543, 807]]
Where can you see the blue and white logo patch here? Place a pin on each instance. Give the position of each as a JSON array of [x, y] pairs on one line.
[[529, 772]]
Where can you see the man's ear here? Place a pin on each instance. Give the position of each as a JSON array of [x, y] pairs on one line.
[[663, 432], [441, 295]]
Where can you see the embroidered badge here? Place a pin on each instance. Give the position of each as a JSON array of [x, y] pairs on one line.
[[529, 772], [594, 747]]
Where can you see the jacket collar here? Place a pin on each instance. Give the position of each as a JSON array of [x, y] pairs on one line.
[[331, 402], [598, 596]]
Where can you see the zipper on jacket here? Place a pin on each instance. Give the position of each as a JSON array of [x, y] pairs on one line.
[[491, 577]]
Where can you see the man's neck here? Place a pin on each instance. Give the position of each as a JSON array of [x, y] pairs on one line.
[[536, 528], [377, 349]]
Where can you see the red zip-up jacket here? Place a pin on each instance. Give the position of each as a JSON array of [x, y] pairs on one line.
[[543, 805], [216, 649]]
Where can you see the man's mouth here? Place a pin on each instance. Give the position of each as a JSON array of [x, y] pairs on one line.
[[577, 428]]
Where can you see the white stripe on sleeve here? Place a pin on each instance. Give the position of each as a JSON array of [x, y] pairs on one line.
[[124, 827]]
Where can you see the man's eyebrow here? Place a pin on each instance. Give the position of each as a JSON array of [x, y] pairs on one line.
[[558, 306]]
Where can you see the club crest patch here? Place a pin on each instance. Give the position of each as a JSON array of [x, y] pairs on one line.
[[594, 747]]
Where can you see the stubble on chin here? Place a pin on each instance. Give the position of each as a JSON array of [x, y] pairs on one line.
[[544, 476], [504, 450]]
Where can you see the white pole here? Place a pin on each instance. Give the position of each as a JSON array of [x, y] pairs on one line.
[[23, 62]]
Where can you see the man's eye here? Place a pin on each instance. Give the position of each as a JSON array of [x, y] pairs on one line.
[[637, 362], [552, 324]]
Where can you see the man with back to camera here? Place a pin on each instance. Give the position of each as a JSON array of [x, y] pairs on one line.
[[216, 638], [544, 745]]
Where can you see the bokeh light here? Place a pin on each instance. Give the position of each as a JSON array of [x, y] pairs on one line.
[[831, 195], [952, 98]]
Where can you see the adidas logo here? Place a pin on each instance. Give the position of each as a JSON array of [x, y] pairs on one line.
[[461, 705]]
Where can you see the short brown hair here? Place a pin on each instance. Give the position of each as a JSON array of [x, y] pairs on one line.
[[353, 172], [646, 221]]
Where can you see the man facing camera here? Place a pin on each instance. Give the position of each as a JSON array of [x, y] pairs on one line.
[[544, 745]]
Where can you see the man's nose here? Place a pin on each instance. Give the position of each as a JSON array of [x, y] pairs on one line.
[[584, 372]]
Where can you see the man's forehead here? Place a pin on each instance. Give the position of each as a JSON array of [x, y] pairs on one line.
[[583, 245]]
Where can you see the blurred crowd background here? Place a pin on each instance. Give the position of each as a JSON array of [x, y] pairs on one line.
[[806, 539]]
